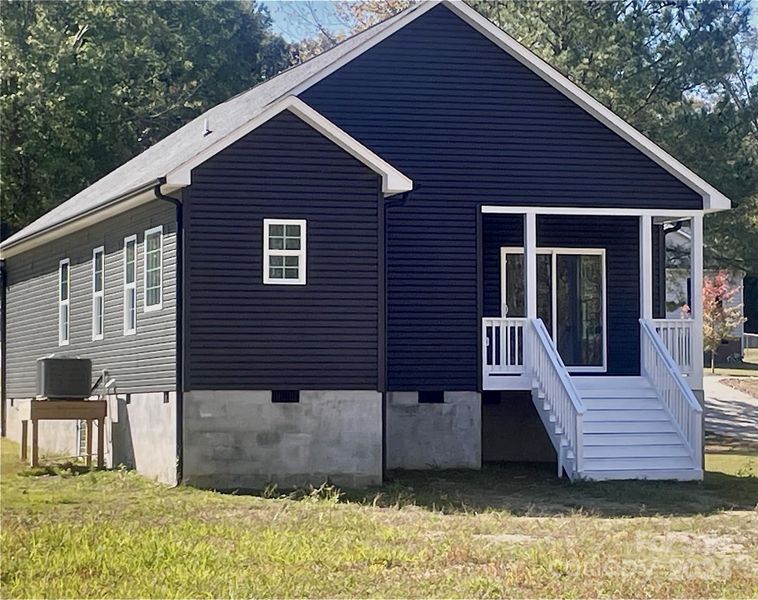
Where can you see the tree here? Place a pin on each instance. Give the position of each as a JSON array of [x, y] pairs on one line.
[[720, 314], [87, 85], [682, 72]]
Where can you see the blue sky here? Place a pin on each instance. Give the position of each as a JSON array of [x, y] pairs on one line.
[[290, 20]]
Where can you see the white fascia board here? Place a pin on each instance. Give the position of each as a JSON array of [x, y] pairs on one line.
[[713, 200], [393, 181], [669, 213], [81, 222]]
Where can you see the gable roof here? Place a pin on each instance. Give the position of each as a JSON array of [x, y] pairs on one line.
[[169, 160]]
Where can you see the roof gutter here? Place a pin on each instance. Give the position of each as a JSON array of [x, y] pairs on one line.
[[179, 335], [137, 195]]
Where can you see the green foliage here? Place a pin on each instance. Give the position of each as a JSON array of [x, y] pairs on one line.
[[87, 85], [682, 72], [500, 532]]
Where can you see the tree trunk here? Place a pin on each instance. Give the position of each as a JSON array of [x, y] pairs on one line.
[[713, 361]]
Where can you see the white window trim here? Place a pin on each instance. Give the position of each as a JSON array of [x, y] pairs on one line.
[[66, 303], [603, 368], [101, 295], [159, 305], [267, 253], [130, 286]]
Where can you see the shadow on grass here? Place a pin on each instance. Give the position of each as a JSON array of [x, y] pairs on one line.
[[534, 490], [60, 469], [528, 489]]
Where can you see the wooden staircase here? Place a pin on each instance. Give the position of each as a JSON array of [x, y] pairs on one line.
[[629, 434], [612, 427]]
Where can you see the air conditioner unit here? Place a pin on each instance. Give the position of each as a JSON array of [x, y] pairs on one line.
[[64, 378]]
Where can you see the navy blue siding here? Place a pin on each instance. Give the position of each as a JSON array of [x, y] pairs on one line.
[[470, 125], [246, 335], [620, 238]]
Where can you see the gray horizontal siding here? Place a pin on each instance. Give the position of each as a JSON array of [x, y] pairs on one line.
[[470, 125], [242, 334], [141, 362]]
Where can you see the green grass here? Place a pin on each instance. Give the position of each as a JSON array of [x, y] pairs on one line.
[[742, 370], [747, 368], [505, 531]]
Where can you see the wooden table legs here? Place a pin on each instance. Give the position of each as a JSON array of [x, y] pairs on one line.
[[101, 443], [24, 439], [35, 443], [90, 434], [89, 443]]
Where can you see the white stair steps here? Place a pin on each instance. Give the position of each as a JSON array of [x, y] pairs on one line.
[[622, 451], [619, 416], [637, 463], [631, 439], [629, 427], [628, 433], [627, 404]]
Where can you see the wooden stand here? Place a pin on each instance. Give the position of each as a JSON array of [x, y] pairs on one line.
[[55, 410]]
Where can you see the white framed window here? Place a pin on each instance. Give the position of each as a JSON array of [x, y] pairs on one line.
[[64, 296], [130, 285], [153, 268], [571, 300], [284, 253], [98, 287]]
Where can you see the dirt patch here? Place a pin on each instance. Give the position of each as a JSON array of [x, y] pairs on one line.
[[504, 538], [723, 544], [749, 385]]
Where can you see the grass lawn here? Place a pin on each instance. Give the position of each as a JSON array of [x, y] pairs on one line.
[[749, 385], [505, 531]]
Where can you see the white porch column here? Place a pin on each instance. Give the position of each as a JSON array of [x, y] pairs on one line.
[[646, 267], [530, 264], [696, 292]]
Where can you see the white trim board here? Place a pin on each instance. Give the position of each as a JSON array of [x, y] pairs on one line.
[[589, 211], [81, 222], [713, 200], [159, 305], [301, 253], [98, 297], [393, 181]]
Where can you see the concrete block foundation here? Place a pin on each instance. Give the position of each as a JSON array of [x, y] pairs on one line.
[[434, 436], [143, 434], [140, 434], [242, 440]]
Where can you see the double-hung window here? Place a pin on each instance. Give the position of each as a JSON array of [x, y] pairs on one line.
[[98, 287], [64, 294], [284, 251], [130, 285], [154, 268]]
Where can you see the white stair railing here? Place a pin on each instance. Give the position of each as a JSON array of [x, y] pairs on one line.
[[676, 335], [552, 377], [667, 380], [503, 350]]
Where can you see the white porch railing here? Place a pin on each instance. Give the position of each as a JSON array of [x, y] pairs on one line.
[[666, 377], [676, 336], [503, 351], [565, 404]]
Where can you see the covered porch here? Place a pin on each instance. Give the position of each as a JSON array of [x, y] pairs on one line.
[[594, 278], [574, 312]]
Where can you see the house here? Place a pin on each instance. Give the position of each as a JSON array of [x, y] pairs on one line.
[[423, 248], [679, 291]]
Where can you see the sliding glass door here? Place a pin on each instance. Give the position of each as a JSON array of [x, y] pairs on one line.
[[570, 300]]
